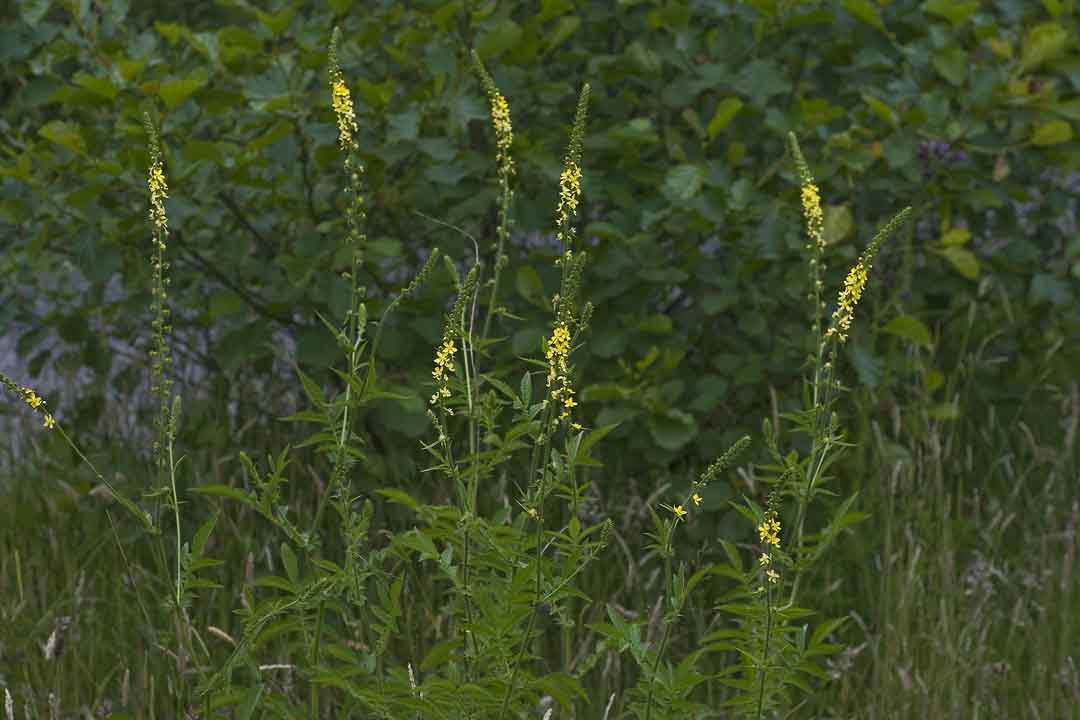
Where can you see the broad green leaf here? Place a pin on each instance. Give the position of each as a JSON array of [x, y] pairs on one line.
[[656, 324], [955, 11], [1054, 132], [528, 284], [684, 181], [1043, 43], [277, 22], [881, 109], [64, 134], [174, 92], [672, 429], [962, 260], [498, 38], [564, 28], [909, 328], [952, 64], [98, 85], [865, 11], [725, 113], [839, 223], [1054, 7], [956, 236]]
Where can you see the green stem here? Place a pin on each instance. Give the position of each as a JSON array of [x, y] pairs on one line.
[[765, 655], [313, 712]]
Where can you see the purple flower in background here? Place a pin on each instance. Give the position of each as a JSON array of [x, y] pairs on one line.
[[932, 153]]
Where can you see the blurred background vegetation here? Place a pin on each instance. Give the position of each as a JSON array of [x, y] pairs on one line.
[[962, 367]]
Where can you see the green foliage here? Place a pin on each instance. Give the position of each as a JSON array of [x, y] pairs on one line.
[[478, 584]]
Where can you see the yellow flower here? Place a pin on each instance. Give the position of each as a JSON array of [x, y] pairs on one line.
[[774, 577], [679, 510], [558, 349], [769, 529], [764, 559], [569, 194], [341, 99], [49, 423], [696, 498], [504, 133], [444, 364], [32, 398], [848, 299], [159, 190], [811, 202], [532, 512]]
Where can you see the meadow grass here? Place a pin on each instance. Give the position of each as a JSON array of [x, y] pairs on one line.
[[498, 591]]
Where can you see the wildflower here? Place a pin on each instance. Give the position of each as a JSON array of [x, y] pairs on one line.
[[769, 529], [533, 513], [558, 349], [848, 299], [815, 223], [444, 364], [680, 511], [31, 398], [697, 499], [504, 132], [159, 190], [570, 179], [341, 100], [774, 577], [569, 194], [764, 560], [857, 277]]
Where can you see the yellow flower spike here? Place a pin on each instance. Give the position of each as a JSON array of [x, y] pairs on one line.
[[680, 511], [569, 195], [342, 102], [769, 529], [815, 219], [848, 299], [504, 133], [697, 499], [558, 349], [444, 365], [159, 190]]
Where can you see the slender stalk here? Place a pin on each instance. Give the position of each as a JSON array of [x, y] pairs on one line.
[[765, 653], [313, 704]]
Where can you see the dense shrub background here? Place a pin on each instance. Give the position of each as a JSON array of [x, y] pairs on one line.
[[963, 109]]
